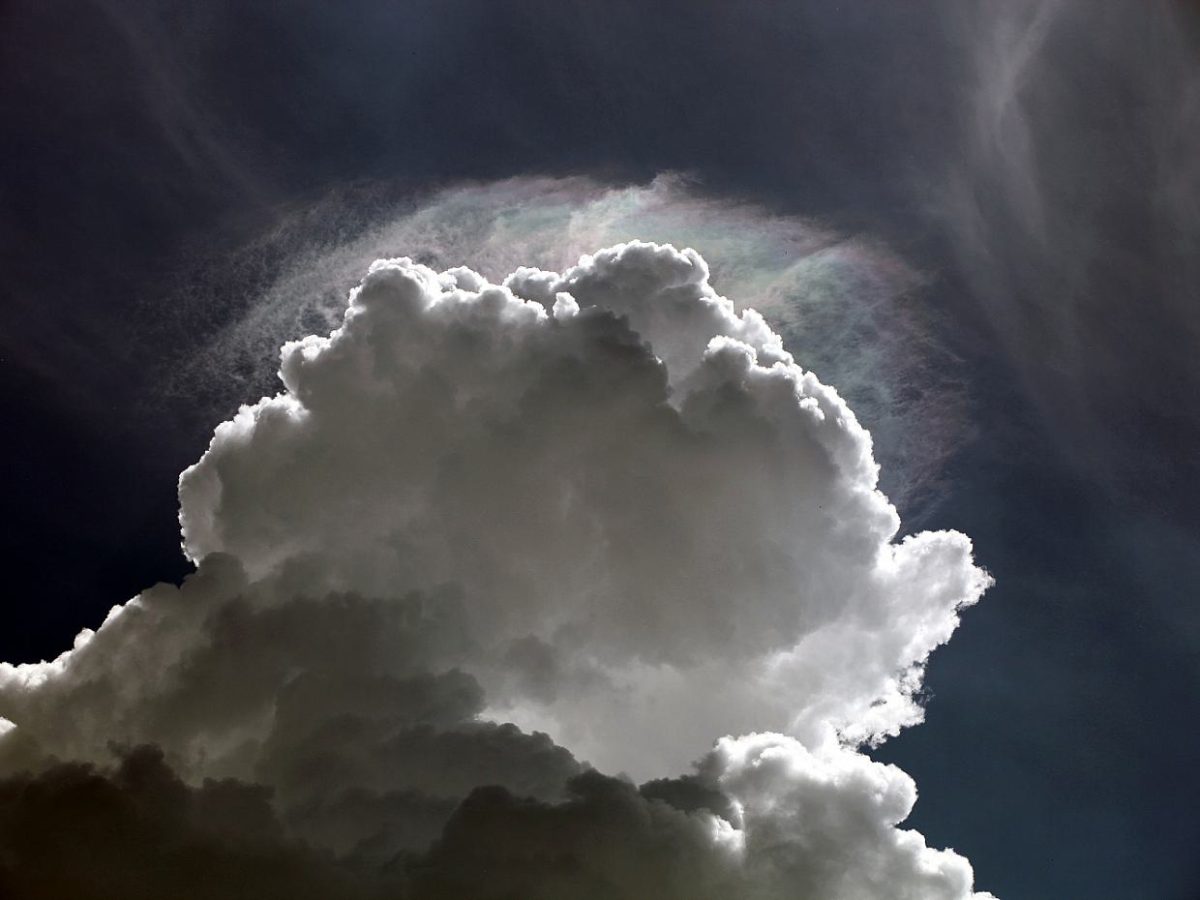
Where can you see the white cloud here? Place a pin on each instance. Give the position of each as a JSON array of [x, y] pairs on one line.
[[823, 291], [604, 504]]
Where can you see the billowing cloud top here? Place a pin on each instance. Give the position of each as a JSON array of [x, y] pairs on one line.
[[821, 291], [601, 505]]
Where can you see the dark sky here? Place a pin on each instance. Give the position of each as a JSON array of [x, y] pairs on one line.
[[1036, 160]]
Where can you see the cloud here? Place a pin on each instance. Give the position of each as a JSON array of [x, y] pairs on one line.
[[806, 825], [823, 291], [491, 535], [137, 831], [821, 827], [1071, 213]]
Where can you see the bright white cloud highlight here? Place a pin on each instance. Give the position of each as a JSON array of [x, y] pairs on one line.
[[604, 504], [847, 305]]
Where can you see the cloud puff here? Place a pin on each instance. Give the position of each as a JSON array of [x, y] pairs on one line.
[[1080, 251], [601, 510], [802, 826], [822, 291]]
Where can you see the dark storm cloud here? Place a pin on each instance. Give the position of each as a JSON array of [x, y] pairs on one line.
[[137, 831], [1075, 211]]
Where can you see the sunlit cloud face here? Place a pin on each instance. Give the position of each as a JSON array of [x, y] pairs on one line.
[[492, 534], [847, 307]]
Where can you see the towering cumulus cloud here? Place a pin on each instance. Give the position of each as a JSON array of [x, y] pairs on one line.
[[822, 291], [491, 541]]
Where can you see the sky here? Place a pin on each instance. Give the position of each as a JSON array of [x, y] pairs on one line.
[[555, 529]]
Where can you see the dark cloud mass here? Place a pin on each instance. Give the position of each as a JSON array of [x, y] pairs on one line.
[[1073, 209], [137, 831]]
